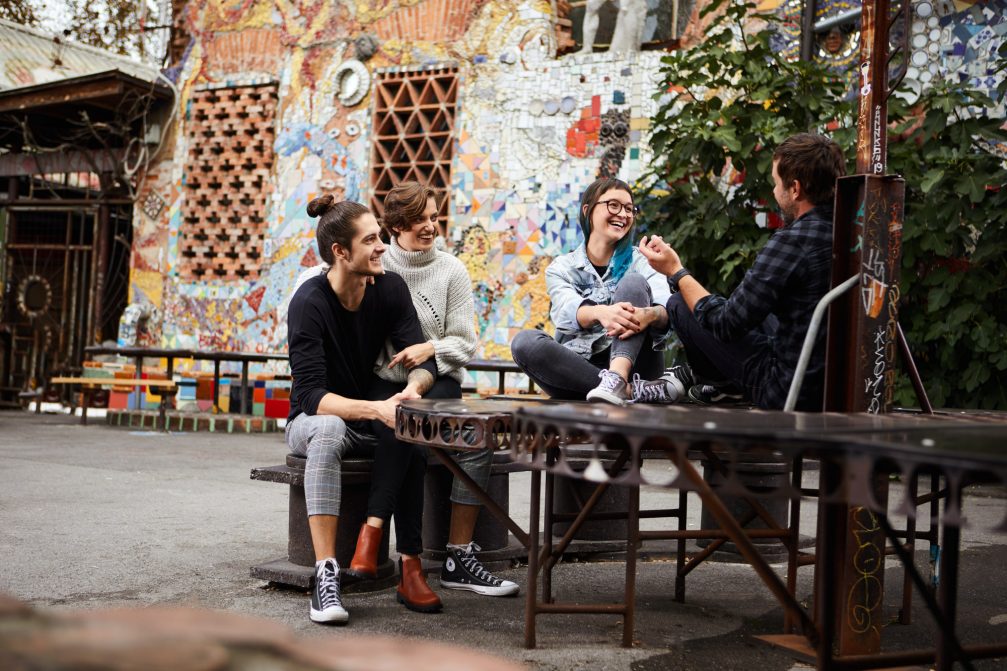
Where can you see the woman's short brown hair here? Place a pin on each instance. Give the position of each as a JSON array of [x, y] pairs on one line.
[[404, 205]]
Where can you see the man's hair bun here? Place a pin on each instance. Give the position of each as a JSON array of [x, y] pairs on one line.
[[319, 206]]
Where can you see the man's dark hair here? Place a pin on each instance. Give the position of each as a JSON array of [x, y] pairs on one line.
[[813, 160], [404, 204], [337, 223]]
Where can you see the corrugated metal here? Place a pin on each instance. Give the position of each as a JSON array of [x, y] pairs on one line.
[[29, 57]]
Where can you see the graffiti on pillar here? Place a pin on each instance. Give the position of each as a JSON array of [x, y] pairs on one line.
[[864, 598], [877, 239]]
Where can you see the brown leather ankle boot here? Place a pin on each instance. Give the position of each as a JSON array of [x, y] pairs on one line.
[[365, 556], [413, 591]]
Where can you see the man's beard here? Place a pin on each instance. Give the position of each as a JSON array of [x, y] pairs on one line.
[[366, 269], [788, 216]]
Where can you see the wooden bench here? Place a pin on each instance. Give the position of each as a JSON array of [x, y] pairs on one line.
[[166, 388], [501, 368]]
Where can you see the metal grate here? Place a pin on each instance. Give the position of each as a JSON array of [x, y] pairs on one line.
[[414, 126]]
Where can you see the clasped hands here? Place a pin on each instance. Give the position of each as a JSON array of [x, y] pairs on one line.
[[624, 320]]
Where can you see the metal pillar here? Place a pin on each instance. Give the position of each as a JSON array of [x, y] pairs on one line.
[[860, 374]]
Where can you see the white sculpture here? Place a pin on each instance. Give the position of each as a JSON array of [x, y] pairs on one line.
[[628, 32]]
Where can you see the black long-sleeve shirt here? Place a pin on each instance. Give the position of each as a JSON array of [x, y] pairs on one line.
[[333, 349]]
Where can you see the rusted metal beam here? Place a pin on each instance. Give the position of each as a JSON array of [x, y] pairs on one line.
[[79, 89], [867, 239], [808, 29], [872, 121], [13, 102], [23, 164]]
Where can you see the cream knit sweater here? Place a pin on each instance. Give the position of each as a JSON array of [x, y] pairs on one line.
[[442, 294]]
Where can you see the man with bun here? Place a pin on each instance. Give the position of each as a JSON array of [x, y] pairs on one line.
[[337, 325]]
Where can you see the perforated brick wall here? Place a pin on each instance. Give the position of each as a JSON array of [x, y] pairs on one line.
[[227, 171], [414, 128]]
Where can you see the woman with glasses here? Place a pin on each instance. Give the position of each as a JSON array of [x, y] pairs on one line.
[[607, 305]]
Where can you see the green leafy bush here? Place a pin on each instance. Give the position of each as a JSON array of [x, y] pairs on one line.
[[728, 101]]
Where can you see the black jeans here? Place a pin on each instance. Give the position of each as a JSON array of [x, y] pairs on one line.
[[713, 361], [399, 468], [565, 374]]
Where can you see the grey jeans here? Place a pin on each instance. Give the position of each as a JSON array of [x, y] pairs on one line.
[[564, 374], [324, 440]]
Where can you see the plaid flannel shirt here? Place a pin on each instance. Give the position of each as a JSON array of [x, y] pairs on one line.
[[790, 275]]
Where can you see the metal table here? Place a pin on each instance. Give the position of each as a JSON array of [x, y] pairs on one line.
[[458, 425], [245, 358], [854, 451]]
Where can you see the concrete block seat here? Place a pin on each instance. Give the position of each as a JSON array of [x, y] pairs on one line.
[[297, 569]]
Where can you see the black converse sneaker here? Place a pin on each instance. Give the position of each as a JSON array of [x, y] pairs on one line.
[[326, 604], [708, 394], [463, 570], [669, 388]]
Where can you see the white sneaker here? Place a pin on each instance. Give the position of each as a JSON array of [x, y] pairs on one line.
[[326, 603], [612, 389]]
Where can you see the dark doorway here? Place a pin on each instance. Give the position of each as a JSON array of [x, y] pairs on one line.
[[51, 301]]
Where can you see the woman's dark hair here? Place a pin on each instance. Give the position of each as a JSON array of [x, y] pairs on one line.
[[404, 204], [623, 254], [337, 223], [813, 160]]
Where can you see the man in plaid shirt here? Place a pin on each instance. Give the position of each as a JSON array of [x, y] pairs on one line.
[[747, 345]]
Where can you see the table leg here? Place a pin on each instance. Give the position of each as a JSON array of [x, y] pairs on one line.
[[86, 398], [137, 375], [796, 475], [478, 492], [244, 387], [585, 512], [947, 593], [531, 589], [726, 521], [828, 546], [683, 524], [632, 543], [216, 386], [906, 612], [547, 559]]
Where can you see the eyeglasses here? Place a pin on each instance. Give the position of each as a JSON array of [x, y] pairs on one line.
[[617, 207]]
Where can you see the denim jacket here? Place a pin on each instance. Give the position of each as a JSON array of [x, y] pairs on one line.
[[572, 281]]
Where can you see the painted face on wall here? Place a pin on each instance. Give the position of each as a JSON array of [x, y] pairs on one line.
[[612, 215], [422, 233], [364, 255]]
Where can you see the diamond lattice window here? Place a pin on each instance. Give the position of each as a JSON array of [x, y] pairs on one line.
[[413, 126], [227, 171]]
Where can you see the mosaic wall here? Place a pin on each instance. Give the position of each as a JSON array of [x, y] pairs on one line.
[[953, 40], [533, 131]]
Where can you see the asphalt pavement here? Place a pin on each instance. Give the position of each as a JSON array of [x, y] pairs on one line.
[[97, 517]]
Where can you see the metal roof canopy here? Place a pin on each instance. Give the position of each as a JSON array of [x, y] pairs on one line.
[[49, 111]]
